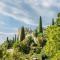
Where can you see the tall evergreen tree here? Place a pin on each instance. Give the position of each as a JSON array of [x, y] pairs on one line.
[[22, 35], [58, 20], [52, 21], [8, 42], [40, 25], [7, 39], [15, 37]]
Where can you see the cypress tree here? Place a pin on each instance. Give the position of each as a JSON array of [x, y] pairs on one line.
[[8, 43], [52, 21], [22, 35], [7, 39], [40, 25], [58, 20], [15, 37]]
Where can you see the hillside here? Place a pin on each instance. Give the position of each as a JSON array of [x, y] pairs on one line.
[[39, 44]]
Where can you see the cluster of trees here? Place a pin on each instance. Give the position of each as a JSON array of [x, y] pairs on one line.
[[43, 45]]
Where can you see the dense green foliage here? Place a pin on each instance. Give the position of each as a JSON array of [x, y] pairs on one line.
[[53, 40], [34, 45]]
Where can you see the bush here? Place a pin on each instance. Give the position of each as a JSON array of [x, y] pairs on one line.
[[53, 40], [56, 56]]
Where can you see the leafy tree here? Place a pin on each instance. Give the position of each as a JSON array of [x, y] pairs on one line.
[[16, 45], [56, 56], [16, 55], [53, 40], [7, 56], [22, 36], [25, 45], [41, 41]]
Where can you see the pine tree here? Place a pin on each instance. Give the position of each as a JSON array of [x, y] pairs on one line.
[[52, 21], [22, 35], [40, 25]]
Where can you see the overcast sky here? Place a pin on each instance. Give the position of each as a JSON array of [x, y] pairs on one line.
[[17, 13]]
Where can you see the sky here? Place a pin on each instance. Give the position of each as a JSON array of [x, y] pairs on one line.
[[17, 13]]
